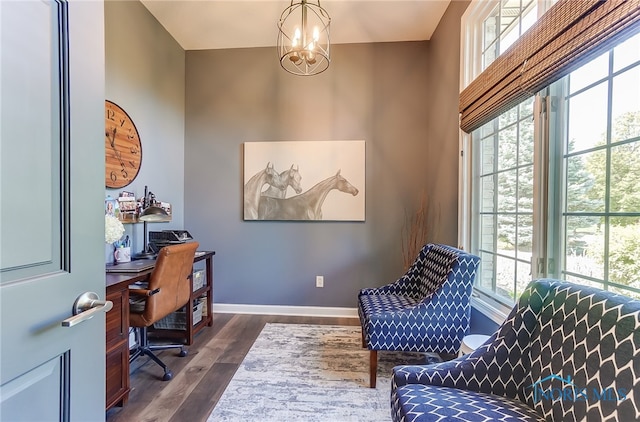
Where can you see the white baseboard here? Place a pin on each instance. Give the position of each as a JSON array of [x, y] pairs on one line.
[[229, 308]]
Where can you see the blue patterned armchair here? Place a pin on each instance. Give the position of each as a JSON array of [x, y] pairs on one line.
[[565, 353], [426, 310]]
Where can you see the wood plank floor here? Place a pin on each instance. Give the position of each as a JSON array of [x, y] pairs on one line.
[[199, 378]]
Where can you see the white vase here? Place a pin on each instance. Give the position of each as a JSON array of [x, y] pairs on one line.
[[108, 253]]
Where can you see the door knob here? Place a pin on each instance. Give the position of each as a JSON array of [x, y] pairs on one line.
[[86, 306]]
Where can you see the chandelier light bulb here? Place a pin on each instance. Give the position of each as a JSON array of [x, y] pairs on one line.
[[296, 38]]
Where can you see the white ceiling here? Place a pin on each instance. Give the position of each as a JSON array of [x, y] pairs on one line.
[[214, 24]]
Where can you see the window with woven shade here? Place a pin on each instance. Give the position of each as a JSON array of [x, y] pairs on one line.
[[547, 127]]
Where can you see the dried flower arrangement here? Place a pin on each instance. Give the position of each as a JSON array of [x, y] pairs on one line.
[[417, 230]]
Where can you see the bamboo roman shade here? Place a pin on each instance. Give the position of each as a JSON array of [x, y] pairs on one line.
[[571, 33]]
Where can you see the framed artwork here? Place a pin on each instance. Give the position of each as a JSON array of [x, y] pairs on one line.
[[304, 180]]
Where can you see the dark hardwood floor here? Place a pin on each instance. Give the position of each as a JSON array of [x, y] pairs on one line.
[[199, 378]]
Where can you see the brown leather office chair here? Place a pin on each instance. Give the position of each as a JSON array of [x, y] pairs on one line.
[[168, 290]]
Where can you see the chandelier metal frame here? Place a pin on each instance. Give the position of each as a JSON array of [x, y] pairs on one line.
[[303, 38]]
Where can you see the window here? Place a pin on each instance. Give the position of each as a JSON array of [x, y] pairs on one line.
[[552, 183], [505, 23], [503, 197], [601, 165], [502, 166]]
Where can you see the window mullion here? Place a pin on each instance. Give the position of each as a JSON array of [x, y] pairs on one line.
[[539, 251], [607, 188], [555, 132], [496, 146]]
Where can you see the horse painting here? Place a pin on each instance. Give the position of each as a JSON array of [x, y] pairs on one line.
[[306, 206], [288, 178], [253, 188]]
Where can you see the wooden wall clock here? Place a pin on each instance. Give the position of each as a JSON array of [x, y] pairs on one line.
[[122, 147]]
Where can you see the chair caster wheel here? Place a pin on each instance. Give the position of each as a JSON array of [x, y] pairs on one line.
[[167, 376], [183, 353]]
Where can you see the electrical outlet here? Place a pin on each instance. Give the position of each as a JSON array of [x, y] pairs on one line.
[[319, 281]]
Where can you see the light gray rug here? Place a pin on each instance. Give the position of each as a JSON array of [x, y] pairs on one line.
[[310, 373]]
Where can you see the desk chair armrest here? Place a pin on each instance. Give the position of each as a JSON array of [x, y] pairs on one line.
[[143, 292]]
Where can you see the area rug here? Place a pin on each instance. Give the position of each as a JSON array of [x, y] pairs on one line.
[[309, 373]]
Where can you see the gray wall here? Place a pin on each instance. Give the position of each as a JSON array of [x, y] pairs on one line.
[[375, 92], [194, 110], [442, 119], [145, 70]]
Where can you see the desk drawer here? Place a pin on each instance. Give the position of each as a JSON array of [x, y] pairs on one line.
[[117, 376], [117, 319]]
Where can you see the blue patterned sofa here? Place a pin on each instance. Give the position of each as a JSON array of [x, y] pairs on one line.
[[565, 353], [428, 309]]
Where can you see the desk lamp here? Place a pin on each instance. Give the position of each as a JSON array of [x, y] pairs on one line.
[[150, 213]]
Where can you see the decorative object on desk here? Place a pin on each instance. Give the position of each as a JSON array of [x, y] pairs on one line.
[[322, 166], [123, 149], [154, 213], [113, 231], [122, 254], [303, 38], [111, 206], [128, 206]]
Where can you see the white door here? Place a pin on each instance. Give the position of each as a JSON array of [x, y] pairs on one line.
[[51, 209]]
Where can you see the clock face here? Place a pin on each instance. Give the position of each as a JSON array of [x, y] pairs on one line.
[[122, 147]]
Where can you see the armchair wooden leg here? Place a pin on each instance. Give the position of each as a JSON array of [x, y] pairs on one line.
[[364, 344], [373, 368]]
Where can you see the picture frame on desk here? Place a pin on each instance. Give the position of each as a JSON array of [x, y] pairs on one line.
[[111, 207]]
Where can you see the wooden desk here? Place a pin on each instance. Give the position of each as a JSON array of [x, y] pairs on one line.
[[117, 326]]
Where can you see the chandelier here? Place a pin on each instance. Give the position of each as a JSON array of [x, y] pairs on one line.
[[303, 38]]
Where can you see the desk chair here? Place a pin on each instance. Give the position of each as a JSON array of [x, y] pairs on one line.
[[167, 291]]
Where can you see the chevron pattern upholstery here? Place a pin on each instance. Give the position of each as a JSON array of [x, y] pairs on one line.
[[426, 310], [565, 353]]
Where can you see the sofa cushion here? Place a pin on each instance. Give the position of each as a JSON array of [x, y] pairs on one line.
[[426, 403]]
